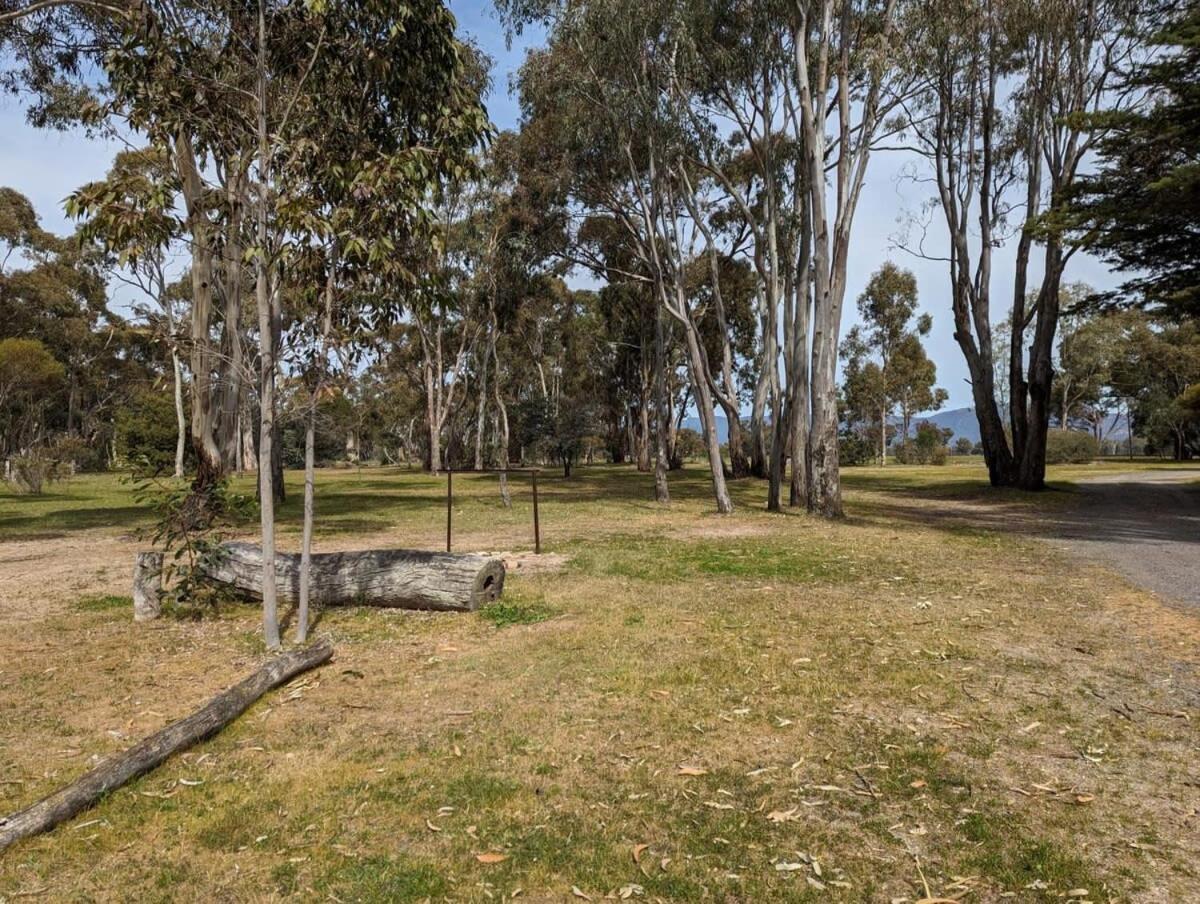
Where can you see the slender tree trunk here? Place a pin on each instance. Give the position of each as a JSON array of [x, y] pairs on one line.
[[502, 424], [704, 404], [662, 415], [266, 341], [229, 395], [779, 439], [431, 418], [758, 414], [204, 442], [882, 437], [180, 417], [73, 405], [306, 542], [249, 453], [643, 431], [481, 412]]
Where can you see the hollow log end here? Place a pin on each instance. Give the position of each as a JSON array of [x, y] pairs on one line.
[[489, 583]]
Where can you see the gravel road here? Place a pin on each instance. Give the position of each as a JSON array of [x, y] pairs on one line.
[[1146, 525]]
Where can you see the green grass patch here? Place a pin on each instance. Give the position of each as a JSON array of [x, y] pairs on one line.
[[380, 878], [104, 604], [657, 559], [517, 609]]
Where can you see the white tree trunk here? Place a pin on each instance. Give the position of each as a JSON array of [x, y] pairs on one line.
[[306, 542], [180, 416], [266, 346]]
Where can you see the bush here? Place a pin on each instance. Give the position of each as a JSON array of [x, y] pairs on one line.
[[30, 473], [146, 432], [689, 444], [963, 446], [1071, 447], [855, 449], [928, 448], [329, 448]]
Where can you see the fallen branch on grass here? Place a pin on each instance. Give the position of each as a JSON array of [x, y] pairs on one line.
[[150, 752]]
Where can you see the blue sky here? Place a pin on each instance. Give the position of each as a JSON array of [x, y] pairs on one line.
[[47, 165]]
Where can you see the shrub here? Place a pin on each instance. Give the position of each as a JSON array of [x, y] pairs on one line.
[[928, 448], [1070, 447], [146, 432], [689, 444], [963, 446], [854, 449], [30, 473]]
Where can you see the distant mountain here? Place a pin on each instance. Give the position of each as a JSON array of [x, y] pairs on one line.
[[961, 420], [693, 423], [964, 423]]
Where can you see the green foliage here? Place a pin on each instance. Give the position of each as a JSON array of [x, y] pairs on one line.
[[329, 444], [146, 432], [560, 435], [689, 444], [855, 449], [30, 380], [1140, 209], [886, 363], [1155, 365], [190, 523], [927, 448], [1071, 447], [963, 446]]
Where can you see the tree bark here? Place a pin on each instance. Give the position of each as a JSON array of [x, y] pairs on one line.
[[704, 406], [152, 751], [266, 343], [204, 441], [388, 578], [180, 417], [662, 415], [306, 542], [502, 429]]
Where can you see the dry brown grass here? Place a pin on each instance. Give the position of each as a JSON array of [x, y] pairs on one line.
[[900, 699]]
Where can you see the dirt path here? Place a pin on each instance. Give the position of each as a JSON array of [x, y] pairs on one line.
[[1144, 524]]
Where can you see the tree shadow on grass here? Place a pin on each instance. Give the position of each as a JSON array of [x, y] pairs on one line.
[[61, 521]]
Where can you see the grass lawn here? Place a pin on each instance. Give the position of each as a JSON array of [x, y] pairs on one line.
[[924, 700]]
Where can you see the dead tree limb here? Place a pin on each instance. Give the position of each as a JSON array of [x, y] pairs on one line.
[[115, 771]]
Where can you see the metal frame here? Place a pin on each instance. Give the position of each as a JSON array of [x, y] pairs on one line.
[[533, 474]]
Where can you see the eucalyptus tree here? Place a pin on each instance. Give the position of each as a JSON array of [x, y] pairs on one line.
[[787, 102], [1001, 116], [846, 81], [131, 217], [594, 98], [733, 85], [385, 111]]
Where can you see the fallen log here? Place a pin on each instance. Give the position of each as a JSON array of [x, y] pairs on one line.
[[115, 771], [393, 578]]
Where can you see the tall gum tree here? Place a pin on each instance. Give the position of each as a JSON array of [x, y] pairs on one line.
[[595, 95], [1001, 115]]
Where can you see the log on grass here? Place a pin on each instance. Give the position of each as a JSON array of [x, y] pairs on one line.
[[393, 578], [115, 771]]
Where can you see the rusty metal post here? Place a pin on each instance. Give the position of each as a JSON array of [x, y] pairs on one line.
[[449, 504], [537, 533]]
